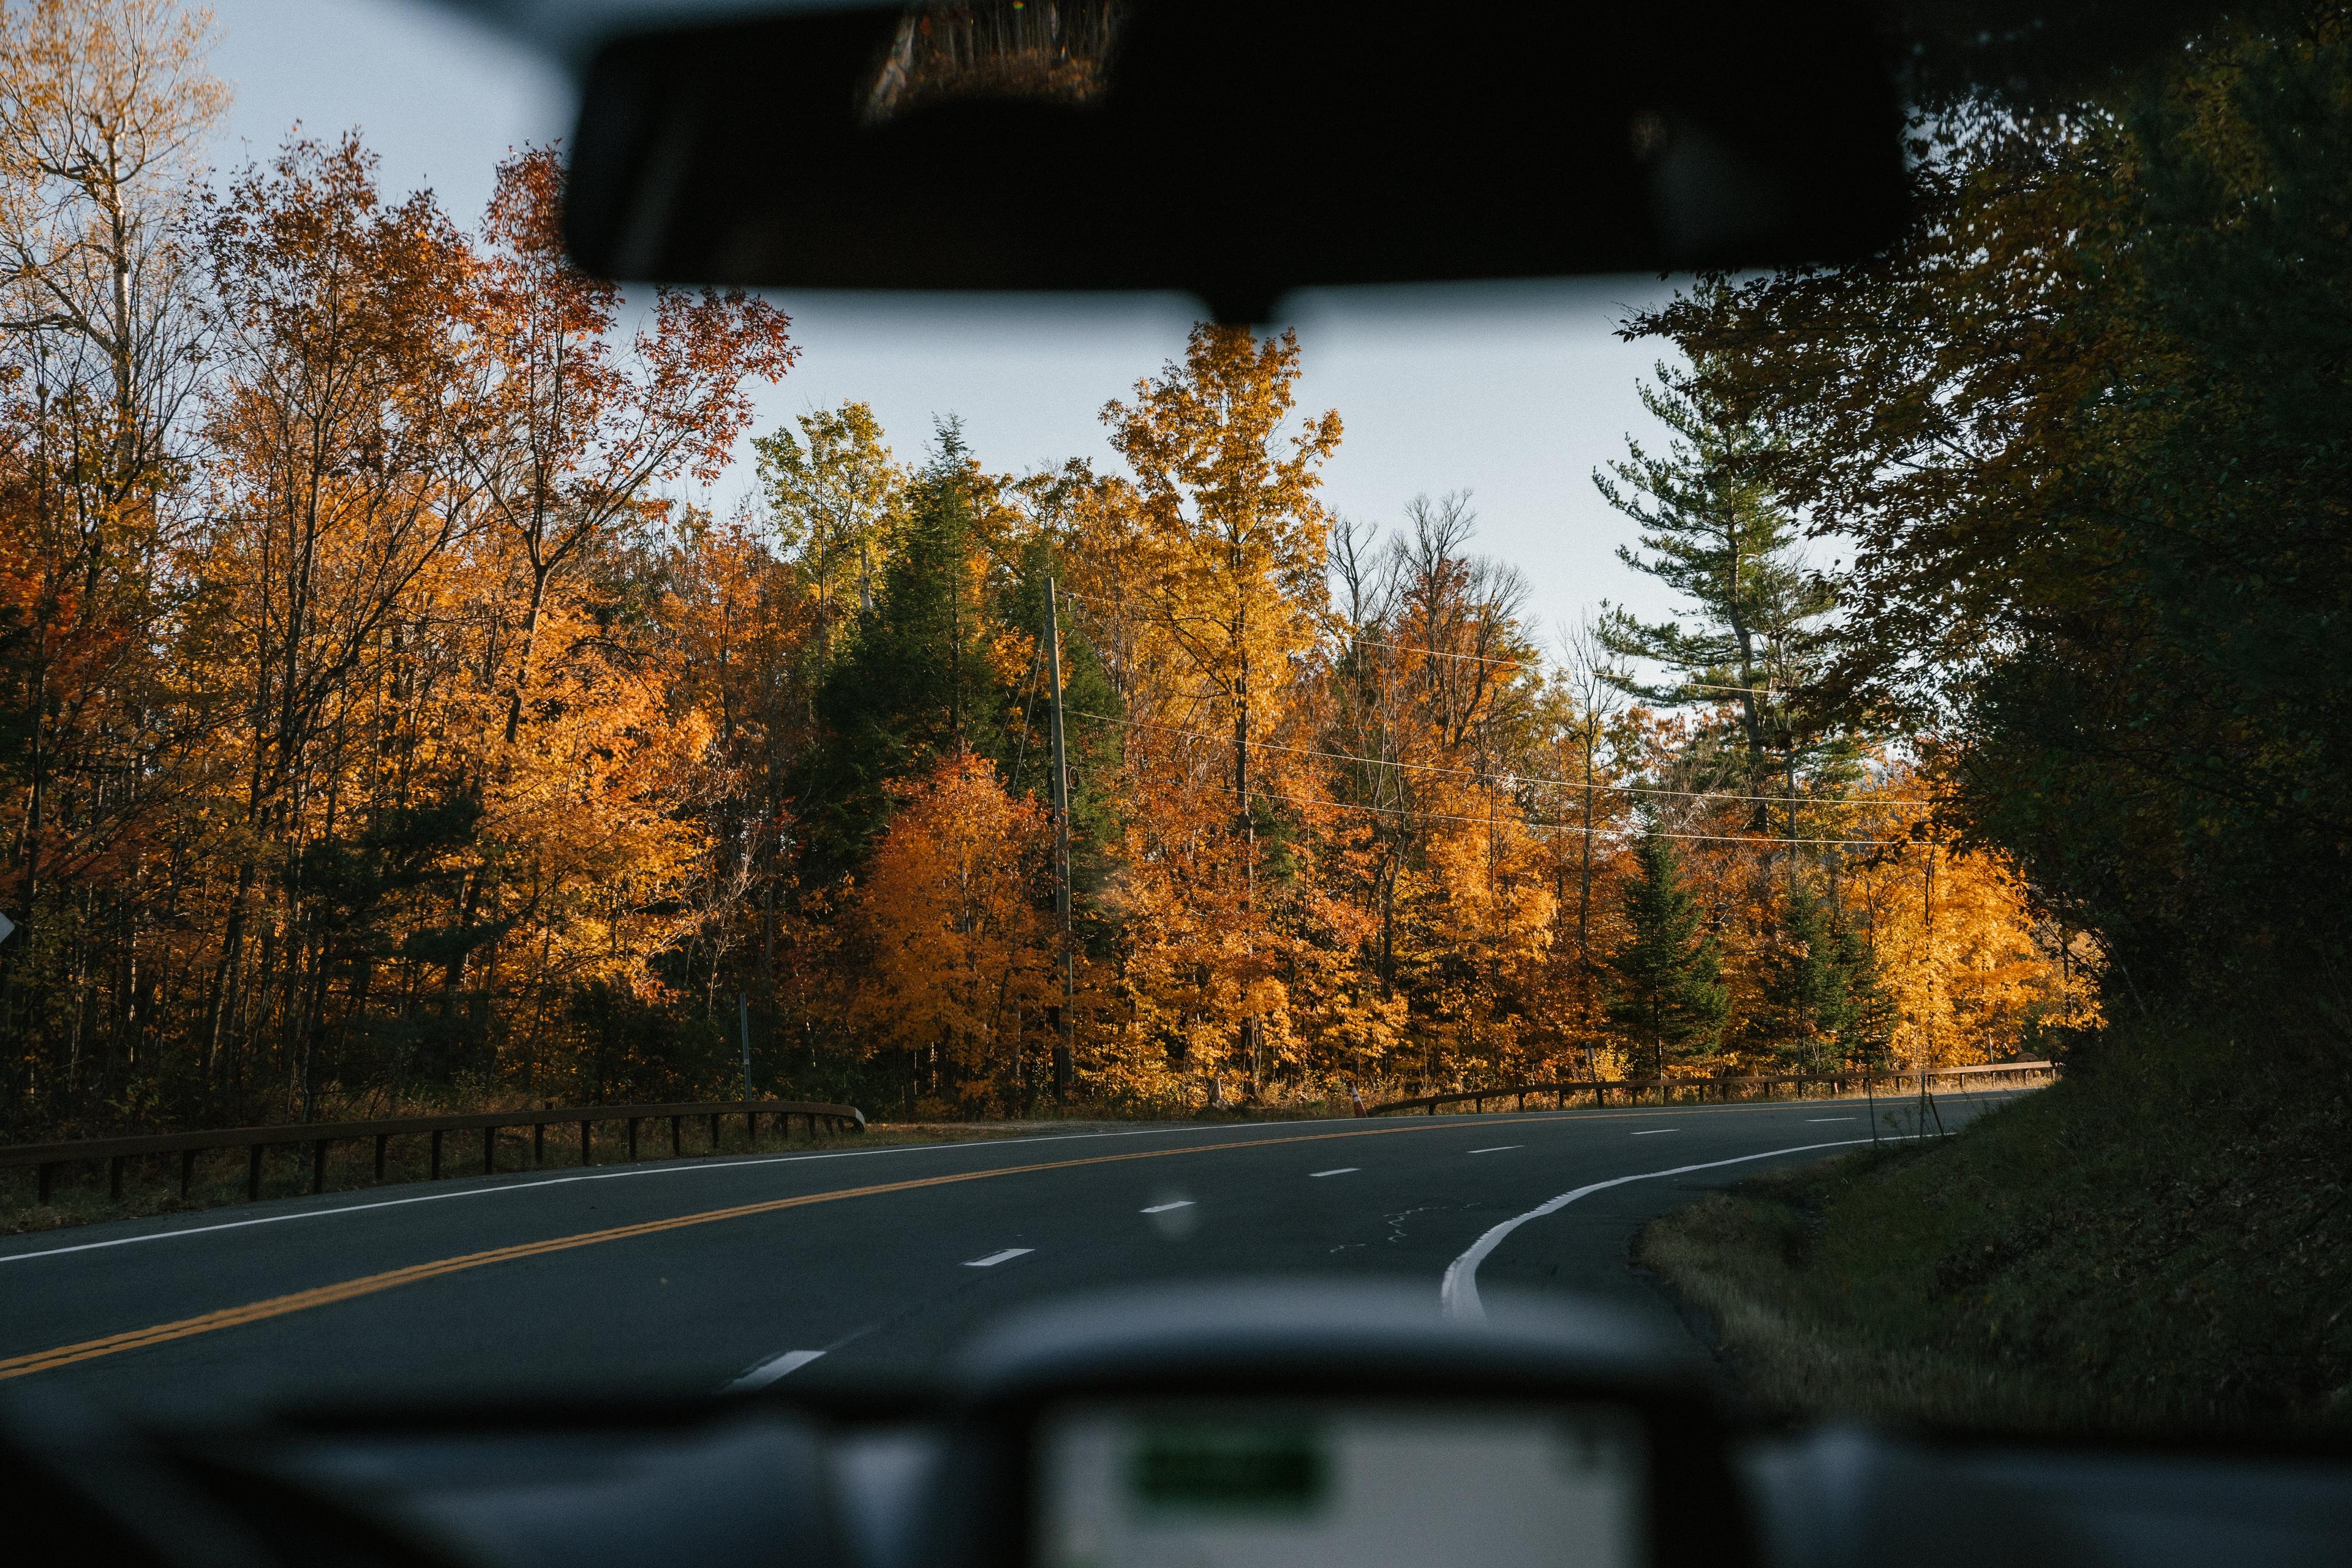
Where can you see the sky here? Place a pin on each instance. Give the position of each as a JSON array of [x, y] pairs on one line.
[[1515, 392]]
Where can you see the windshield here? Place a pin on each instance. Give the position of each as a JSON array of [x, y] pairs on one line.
[[696, 838]]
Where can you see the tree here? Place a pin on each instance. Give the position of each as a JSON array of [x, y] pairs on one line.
[[570, 423], [2087, 485], [950, 933], [1230, 535], [1717, 534], [104, 109], [833, 493], [1669, 994], [921, 680], [328, 420], [1807, 972], [1226, 539]]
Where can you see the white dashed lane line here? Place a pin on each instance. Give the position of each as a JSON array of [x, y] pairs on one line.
[[1498, 1148], [1833, 1118], [1164, 1209], [768, 1370], [1653, 1132], [994, 1258], [1342, 1171]]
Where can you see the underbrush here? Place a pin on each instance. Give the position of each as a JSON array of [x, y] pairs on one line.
[[2160, 1242]]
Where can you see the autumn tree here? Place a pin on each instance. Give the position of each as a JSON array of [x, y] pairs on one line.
[[833, 492], [570, 421], [1225, 540], [104, 107], [328, 423], [948, 917], [1227, 527]]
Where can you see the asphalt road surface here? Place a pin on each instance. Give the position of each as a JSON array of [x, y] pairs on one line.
[[702, 1273]]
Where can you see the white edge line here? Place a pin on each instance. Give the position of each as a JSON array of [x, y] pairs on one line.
[[1164, 1209], [1457, 1296], [1342, 1171], [768, 1370], [994, 1258], [676, 1167], [667, 1168]]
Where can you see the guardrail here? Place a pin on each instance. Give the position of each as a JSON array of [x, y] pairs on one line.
[[1600, 1089], [321, 1135]]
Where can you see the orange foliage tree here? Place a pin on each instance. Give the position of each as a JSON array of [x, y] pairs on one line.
[[948, 933]]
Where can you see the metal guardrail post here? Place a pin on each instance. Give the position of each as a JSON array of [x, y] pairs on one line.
[[46, 1160]]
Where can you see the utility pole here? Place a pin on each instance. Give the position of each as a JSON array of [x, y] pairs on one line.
[[743, 1018], [1065, 1016], [1928, 936]]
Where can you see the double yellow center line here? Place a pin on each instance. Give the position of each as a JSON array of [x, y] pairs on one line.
[[390, 1278]]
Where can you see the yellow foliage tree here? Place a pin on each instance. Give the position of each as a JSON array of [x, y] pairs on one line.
[[950, 938]]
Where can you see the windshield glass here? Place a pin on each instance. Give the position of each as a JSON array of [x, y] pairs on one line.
[[698, 838]]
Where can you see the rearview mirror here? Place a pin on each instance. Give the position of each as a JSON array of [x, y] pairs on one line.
[[1235, 150]]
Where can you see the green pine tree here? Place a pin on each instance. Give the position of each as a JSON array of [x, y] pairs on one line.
[[914, 684], [1806, 974], [1867, 1034], [1668, 996], [1714, 532]]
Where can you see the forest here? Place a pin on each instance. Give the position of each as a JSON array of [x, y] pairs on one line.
[[381, 729]]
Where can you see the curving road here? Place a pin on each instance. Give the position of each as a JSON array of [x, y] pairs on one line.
[[696, 1273]]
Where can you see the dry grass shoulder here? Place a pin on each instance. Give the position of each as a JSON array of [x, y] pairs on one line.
[[2161, 1242]]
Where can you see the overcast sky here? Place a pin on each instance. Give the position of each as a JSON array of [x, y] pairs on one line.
[[1514, 394]]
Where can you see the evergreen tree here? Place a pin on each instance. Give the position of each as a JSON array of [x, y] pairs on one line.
[[1714, 532], [917, 683], [1806, 974], [1669, 995], [1868, 1029]]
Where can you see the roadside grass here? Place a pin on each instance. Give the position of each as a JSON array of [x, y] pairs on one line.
[[2160, 1242]]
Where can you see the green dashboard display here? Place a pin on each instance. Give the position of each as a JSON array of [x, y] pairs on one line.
[[1250, 1484], [1228, 1465]]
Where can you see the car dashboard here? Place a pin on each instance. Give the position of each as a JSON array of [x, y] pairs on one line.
[[1264, 1425]]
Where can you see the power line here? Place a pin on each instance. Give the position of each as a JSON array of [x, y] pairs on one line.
[[1573, 828], [1613, 675], [1608, 674], [1484, 776]]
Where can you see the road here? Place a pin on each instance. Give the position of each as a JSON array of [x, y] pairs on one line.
[[702, 1273]]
